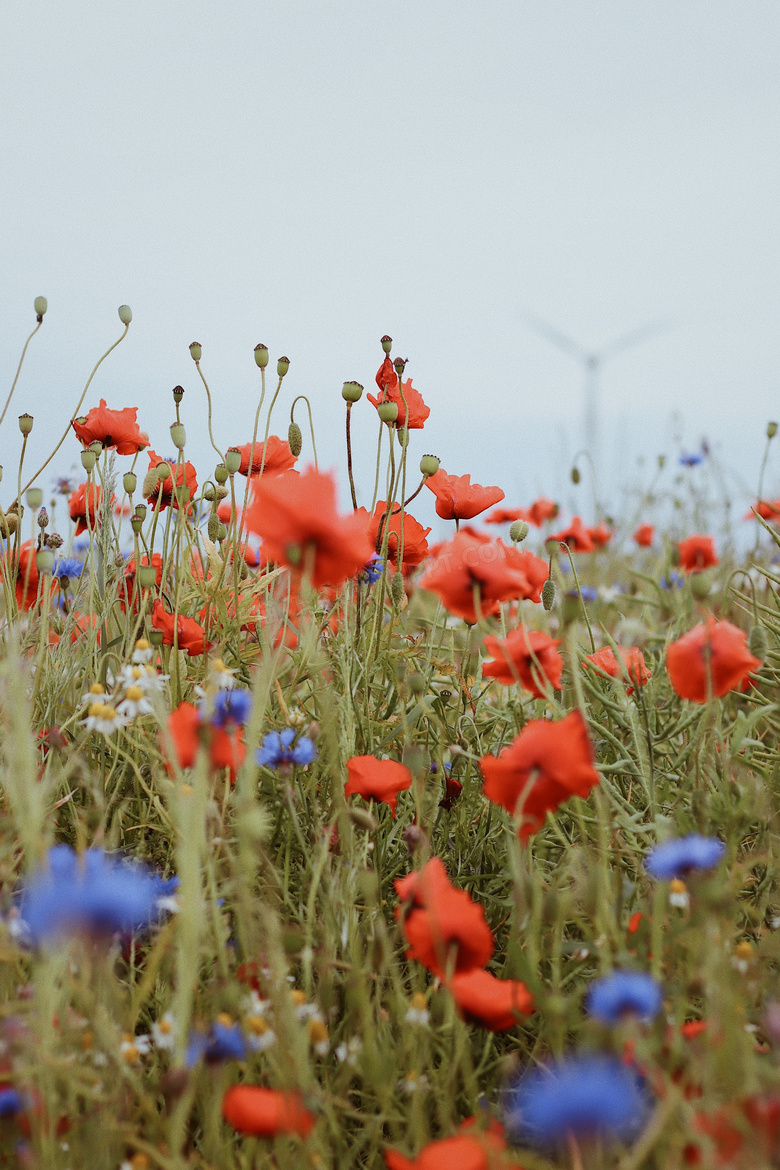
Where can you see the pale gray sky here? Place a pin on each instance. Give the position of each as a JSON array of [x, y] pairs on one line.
[[315, 175]]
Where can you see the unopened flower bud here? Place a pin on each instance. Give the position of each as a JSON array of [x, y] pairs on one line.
[[429, 465], [140, 511], [397, 591], [151, 482], [34, 497], [413, 837], [220, 473], [351, 391], [222, 534], [416, 682], [548, 594], [232, 460], [178, 435], [129, 482], [758, 642], [44, 560], [196, 351], [294, 439], [53, 540], [178, 394], [40, 304], [261, 356], [700, 584], [88, 460], [282, 366], [25, 423], [147, 576], [221, 492], [125, 314], [519, 531], [387, 411], [403, 436], [362, 819], [399, 365], [209, 492], [575, 475], [771, 430], [43, 518], [387, 343], [212, 527]]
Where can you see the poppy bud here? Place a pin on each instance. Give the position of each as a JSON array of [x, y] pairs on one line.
[[417, 683], [44, 560], [213, 527], [151, 480], [771, 430], [758, 642], [700, 584], [351, 391], [412, 837], [397, 590], [88, 460], [34, 497], [282, 366], [261, 356], [40, 304], [362, 819], [519, 531], [164, 470], [548, 594], [178, 435], [140, 511], [222, 532], [147, 576], [387, 343], [25, 423], [294, 439], [129, 482], [125, 314], [387, 411], [209, 493], [43, 518], [178, 394], [221, 492], [220, 473], [196, 351], [575, 475], [399, 365], [402, 434], [232, 460], [429, 465]]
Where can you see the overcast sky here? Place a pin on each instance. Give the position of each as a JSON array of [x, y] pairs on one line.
[[314, 175]]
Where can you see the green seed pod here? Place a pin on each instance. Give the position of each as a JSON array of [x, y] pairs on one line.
[[387, 411], [429, 465], [40, 304], [26, 423], [221, 473], [294, 439], [519, 531], [261, 356], [125, 314], [178, 435], [232, 460], [136, 523], [758, 642], [129, 482], [282, 366], [351, 391], [387, 343], [700, 584], [44, 560], [399, 365], [34, 497], [178, 394], [196, 351], [88, 460], [575, 475], [771, 430], [140, 511], [416, 682], [147, 576], [548, 594], [97, 447], [156, 637]]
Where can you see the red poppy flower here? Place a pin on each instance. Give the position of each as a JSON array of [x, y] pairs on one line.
[[387, 381], [296, 517], [697, 553], [767, 510], [24, 573], [112, 428], [128, 590], [547, 763], [84, 506], [375, 779], [541, 510], [226, 748], [468, 564], [190, 635], [183, 475], [471, 1148], [266, 1112], [632, 665], [527, 656], [576, 536], [505, 515], [493, 1003], [534, 568], [600, 535], [414, 535], [443, 926], [278, 457], [644, 535], [82, 624], [713, 656], [457, 498]]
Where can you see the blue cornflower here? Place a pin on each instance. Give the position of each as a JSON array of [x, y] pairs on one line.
[[221, 1042], [585, 1095], [10, 1102], [674, 859], [277, 749], [690, 460], [231, 706], [373, 569], [66, 569], [675, 580], [95, 893], [587, 591], [624, 993]]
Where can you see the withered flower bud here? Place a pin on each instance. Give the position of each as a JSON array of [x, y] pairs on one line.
[[43, 519], [53, 540]]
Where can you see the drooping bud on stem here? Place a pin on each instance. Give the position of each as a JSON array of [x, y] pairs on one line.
[[519, 531], [575, 474], [548, 594], [294, 439], [771, 430], [758, 642]]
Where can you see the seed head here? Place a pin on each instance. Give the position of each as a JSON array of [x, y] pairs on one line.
[[351, 391], [125, 314], [261, 356], [26, 423], [196, 351], [40, 304]]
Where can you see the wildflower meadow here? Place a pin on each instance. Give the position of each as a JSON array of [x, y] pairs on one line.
[[325, 844]]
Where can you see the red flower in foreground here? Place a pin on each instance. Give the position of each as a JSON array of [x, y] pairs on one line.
[[632, 665], [713, 656], [457, 498], [644, 535], [182, 475], [445, 929], [226, 748], [24, 573], [576, 536], [527, 656], [467, 565], [470, 1149], [112, 428], [494, 1003], [266, 1112], [296, 517], [414, 535], [387, 381], [84, 506], [375, 779], [190, 635], [697, 553], [548, 763], [278, 457]]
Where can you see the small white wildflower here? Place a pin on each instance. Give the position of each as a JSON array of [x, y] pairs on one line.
[[349, 1053], [134, 703], [164, 1032], [318, 1036], [133, 1048], [143, 652], [95, 694], [414, 1083], [304, 1010], [678, 894], [417, 1012], [221, 676], [260, 1036], [104, 718]]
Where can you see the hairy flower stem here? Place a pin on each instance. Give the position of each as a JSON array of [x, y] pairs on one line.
[[208, 397], [349, 459], [19, 370]]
